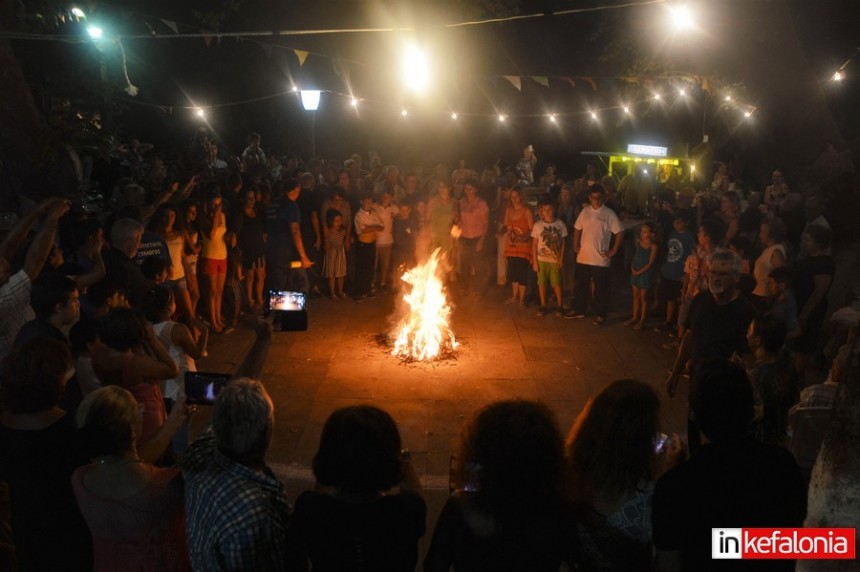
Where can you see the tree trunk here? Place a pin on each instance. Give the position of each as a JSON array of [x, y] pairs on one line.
[[834, 489]]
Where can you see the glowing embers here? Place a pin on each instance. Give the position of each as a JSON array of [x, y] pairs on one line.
[[424, 333]]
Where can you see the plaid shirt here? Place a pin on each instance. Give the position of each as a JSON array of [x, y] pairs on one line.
[[237, 517], [15, 310]]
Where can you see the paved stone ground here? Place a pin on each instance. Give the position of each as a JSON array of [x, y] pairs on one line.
[[506, 353]]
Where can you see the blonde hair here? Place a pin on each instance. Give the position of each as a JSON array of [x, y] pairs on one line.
[[107, 419]]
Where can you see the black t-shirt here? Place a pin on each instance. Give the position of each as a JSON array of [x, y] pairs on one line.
[[477, 542], [735, 485], [49, 532], [805, 272], [335, 535], [309, 206], [127, 275], [718, 330], [404, 231], [38, 328]]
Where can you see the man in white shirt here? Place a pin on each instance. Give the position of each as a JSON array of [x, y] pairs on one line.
[[593, 232]]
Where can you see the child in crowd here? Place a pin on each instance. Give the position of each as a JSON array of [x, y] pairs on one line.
[[334, 264], [367, 226], [782, 302], [681, 244], [641, 273], [176, 338], [385, 238], [548, 254], [231, 304], [404, 241], [154, 269]]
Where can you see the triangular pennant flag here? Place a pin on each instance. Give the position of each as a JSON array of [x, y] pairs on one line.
[[515, 81], [302, 55], [170, 24], [570, 81], [591, 82], [541, 79]]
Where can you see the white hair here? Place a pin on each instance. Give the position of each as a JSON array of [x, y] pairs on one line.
[[241, 420]]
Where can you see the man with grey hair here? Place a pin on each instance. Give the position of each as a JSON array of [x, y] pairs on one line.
[[236, 509], [125, 237], [716, 325]]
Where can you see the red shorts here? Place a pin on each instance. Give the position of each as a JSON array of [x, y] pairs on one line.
[[212, 266]]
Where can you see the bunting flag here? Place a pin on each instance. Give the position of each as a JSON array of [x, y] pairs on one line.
[[302, 55], [515, 81], [170, 24], [570, 81], [590, 81], [541, 79]]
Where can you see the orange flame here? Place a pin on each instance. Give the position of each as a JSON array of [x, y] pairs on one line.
[[424, 333]]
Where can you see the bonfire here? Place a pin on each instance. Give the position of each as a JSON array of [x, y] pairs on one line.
[[424, 333]]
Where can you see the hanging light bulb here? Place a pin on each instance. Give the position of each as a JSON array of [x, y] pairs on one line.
[[454, 116]]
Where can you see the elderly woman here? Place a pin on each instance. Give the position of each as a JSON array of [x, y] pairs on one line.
[[37, 457], [135, 511], [507, 513]]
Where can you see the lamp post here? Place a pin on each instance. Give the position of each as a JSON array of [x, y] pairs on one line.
[[311, 102]]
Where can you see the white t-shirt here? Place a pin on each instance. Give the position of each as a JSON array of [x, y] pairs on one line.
[[550, 238], [386, 215], [597, 226]]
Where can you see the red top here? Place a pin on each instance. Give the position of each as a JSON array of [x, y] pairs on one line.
[[141, 533], [519, 244]]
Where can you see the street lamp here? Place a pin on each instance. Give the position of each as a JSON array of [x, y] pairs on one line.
[[95, 32], [311, 102]]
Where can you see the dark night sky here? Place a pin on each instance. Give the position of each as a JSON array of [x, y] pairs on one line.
[[564, 45]]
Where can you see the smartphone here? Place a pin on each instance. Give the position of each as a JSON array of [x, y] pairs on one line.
[[285, 301], [660, 442], [202, 388]]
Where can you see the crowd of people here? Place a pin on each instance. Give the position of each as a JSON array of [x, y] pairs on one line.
[[104, 309]]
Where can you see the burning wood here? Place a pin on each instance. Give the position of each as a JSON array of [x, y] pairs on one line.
[[424, 333]]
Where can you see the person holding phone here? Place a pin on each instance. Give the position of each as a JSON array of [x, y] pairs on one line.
[[614, 454]]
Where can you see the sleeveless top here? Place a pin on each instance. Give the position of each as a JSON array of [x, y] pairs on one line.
[[174, 247], [215, 248], [149, 395], [519, 243], [171, 388], [441, 221], [763, 268]]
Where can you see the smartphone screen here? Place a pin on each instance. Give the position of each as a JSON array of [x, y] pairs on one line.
[[660, 441], [285, 301], [202, 388]]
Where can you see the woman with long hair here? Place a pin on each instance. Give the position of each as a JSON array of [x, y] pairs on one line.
[[508, 511], [615, 452], [163, 223], [213, 256]]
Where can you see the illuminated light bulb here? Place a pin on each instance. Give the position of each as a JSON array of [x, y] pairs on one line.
[[682, 18], [692, 168], [728, 98], [747, 113], [644, 171], [453, 116], [502, 118], [626, 109], [295, 88], [78, 13], [404, 113], [552, 117], [593, 115], [354, 102], [201, 113], [838, 76], [682, 92], [416, 69], [657, 96], [95, 32]]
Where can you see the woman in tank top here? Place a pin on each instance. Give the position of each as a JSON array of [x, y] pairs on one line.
[[213, 256]]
